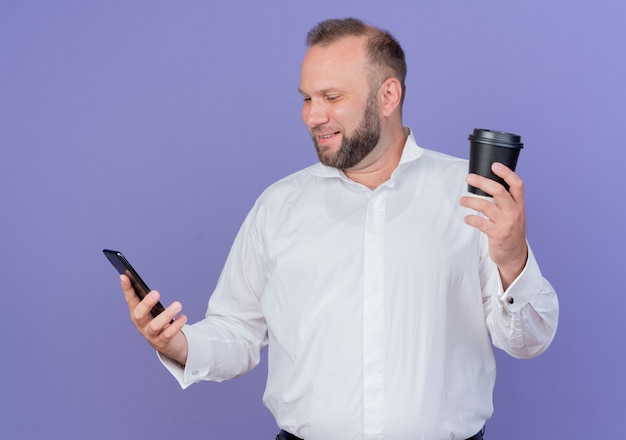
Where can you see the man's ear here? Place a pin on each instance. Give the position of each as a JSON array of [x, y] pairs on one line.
[[391, 95]]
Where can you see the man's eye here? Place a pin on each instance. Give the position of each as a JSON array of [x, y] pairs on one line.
[[307, 99], [332, 98]]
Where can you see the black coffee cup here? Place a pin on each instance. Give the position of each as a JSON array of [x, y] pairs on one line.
[[487, 147]]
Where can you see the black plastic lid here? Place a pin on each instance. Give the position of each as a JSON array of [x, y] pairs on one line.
[[499, 138]]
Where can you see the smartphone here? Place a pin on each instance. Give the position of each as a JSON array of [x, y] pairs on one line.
[[124, 268]]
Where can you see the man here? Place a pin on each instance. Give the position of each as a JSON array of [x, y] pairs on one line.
[[378, 285]]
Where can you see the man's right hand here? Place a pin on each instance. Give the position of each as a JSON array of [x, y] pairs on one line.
[[164, 335]]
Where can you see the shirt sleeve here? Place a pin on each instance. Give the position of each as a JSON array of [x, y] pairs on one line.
[[523, 319], [228, 341]]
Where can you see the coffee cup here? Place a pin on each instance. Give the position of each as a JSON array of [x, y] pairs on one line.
[[487, 147]]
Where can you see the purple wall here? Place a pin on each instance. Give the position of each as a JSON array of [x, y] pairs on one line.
[[152, 126]]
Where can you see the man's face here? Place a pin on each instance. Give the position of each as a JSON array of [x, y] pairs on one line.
[[340, 108]]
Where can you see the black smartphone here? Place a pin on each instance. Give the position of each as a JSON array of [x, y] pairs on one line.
[[124, 268]]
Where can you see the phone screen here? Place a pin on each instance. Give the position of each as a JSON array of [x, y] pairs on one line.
[[124, 268]]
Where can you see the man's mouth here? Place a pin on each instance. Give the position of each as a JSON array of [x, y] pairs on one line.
[[327, 135]]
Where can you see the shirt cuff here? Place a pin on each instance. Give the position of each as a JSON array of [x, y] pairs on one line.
[[524, 288], [198, 360]]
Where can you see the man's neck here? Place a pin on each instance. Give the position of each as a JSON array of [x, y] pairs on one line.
[[377, 167]]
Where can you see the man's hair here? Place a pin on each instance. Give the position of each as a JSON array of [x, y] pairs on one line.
[[383, 49]]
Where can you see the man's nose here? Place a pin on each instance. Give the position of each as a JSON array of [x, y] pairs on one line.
[[314, 113]]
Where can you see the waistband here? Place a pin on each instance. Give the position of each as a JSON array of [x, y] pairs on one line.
[[284, 435]]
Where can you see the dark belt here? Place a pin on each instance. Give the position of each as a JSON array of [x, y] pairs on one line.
[[284, 435]]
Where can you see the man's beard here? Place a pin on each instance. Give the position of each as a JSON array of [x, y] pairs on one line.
[[354, 148]]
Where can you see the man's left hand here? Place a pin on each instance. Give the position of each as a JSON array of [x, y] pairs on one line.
[[503, 220]]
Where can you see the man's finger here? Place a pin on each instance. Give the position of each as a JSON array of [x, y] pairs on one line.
[[142, 309], [166, 323], [489, 186], [166, 317], [516, 184], [129, 293]]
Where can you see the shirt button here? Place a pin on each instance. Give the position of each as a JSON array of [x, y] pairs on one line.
[[194, 372], [510, 300]]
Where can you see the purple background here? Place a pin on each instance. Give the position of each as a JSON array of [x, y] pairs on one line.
[[152, 127]]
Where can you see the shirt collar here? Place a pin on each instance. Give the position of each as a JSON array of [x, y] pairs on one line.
[[411, 150]]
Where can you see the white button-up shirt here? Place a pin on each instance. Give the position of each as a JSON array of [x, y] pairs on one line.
[[380, 307]]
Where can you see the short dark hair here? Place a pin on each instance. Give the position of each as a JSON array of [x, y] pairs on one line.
[[382, 48]]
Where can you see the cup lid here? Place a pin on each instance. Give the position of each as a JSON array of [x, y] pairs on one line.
[[499, 138]]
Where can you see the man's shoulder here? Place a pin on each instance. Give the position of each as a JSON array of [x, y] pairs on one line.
[[293, 182], [444, 158], [439, 163], [420, 155]]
